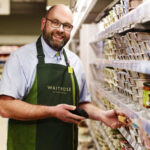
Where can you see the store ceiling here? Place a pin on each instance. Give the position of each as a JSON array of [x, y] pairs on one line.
[[38, 7]]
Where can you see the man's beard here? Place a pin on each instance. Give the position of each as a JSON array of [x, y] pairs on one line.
[[48, 37]]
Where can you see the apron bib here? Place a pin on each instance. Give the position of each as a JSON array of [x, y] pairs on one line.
[[54, 84]]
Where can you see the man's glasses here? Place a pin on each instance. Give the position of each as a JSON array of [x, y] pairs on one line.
[[56, 24]]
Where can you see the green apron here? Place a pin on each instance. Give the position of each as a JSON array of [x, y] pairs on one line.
[[54, 84]]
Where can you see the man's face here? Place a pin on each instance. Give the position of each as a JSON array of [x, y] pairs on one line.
[[57, 37]]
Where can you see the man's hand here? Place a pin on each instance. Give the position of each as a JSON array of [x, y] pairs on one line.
[[110, 118], [62, 112]]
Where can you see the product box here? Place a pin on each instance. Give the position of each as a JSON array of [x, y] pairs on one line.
[[143, 48], [147, 45], [139, 82], [148, 55], [134, 3], [142, 36]]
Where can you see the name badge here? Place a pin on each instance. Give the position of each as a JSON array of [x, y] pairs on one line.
[[70, 70]]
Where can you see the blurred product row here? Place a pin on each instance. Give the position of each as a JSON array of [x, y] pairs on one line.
[[120, 74]]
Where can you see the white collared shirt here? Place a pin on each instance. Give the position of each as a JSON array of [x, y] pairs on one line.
[[20, 70]]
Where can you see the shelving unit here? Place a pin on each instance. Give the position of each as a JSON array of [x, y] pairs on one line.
[[132, 142], [103, 134], [130, 139], [132, 65], [110, 145], [93, 57], [128, 22], [115, 99], [92, 134]]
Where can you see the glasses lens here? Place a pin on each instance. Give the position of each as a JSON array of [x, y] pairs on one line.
[[67, 27], [55, 23]]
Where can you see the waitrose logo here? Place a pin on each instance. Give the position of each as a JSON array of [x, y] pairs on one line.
[[59, 88]]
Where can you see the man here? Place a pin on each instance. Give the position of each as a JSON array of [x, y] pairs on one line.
[[41, 83]]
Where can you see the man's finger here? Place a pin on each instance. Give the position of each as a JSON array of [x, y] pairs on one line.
[[69, 107], [119, 113], [76, 117], [117, 125]]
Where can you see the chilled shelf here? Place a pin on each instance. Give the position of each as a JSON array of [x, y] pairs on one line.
[[101, 130], [130, 20], [110, 145], [93, 136], [132, 110], [132, 65], [122, 130], [130, 139]]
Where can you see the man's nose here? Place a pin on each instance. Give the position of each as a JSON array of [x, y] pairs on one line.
[[61, 28]]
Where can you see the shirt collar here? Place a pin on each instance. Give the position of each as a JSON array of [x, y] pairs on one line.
[[48, 51]]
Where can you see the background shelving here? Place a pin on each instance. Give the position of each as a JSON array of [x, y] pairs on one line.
[[129, 21], [110, 67], [132, 65], [113, 98]]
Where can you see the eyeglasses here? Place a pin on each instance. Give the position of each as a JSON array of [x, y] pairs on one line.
[[56, 24]]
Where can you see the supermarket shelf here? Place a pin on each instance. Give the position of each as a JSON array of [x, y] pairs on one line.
[[128, 108], [92, 134], [103, 12], [123, 131], [130, 20], [130, 139], [110, 145], [117, 99], [133, 65]]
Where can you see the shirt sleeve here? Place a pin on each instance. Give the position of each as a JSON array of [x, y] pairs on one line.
[[84, 94], [13, 80]]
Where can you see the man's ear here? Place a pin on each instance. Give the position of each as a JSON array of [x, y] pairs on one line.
[[43, 21]]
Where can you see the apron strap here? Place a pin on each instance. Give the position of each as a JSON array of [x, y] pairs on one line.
[[40, 54], [66, 59]]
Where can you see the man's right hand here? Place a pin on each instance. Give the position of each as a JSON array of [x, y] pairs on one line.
[[62, 112]]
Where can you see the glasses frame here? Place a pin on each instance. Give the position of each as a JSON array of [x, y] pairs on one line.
[[63, 24]]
